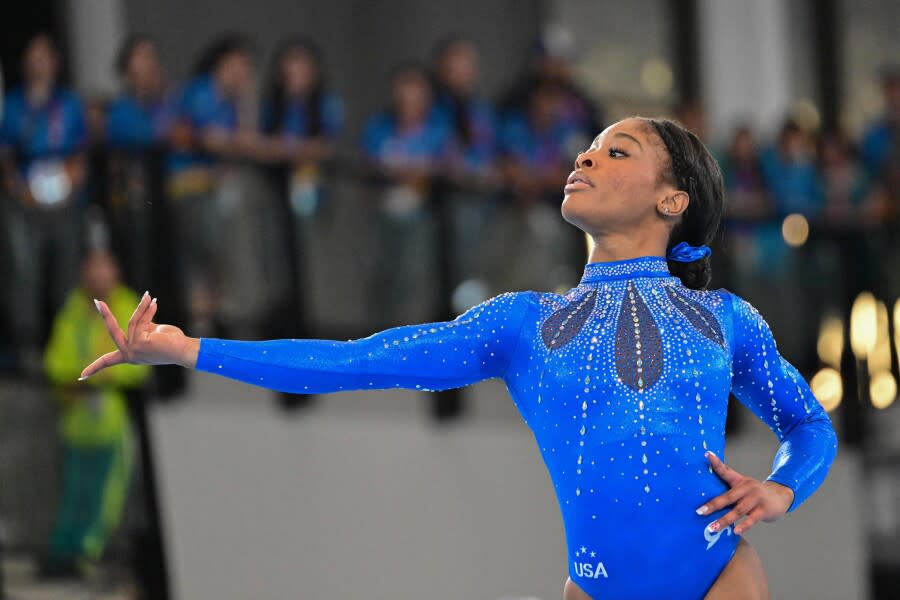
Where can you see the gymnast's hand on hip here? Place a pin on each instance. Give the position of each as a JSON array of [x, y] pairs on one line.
[[146, 343], [757, 500]]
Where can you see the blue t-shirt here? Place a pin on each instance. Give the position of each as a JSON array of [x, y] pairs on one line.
[[877, 144], [480, 150], [540, 150], [795, 187], [624, 381], [295, 121], [135, 125], [202, 106], [53, 130], [383, 141]]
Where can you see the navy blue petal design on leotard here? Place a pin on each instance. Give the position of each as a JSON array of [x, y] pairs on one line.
[[564, 324], [702, 320], [639, 356]]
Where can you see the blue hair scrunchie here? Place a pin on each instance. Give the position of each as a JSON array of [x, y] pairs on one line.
[[684, 252]]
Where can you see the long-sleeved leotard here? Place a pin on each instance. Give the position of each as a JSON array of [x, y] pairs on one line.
[[624, 381]]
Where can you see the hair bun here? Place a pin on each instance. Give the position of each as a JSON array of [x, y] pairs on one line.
[[695, 275]]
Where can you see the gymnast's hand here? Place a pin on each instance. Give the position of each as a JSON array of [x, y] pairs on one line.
[[146, 343], [757, 500]]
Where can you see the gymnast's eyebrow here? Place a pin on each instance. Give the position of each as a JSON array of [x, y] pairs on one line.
[[634, 139]]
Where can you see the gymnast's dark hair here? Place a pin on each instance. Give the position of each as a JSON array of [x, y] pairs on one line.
[[690, 167]]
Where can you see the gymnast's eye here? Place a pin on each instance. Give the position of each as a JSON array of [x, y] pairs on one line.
[[614, 151]]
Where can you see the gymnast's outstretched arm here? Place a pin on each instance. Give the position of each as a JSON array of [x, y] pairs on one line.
[[478, 344]]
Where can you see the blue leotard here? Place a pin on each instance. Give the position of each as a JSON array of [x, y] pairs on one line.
[[624, 381]]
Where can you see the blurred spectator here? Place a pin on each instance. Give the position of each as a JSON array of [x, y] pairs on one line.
[[748, 198], [749, 212], [97, 439], [138, 126], [471, 168], [407, 141], [536, 160], [216, 124], [470, 117], [142, 115], [552, 63], [547, 120], [303, 119], [42, 138], [845, 184], [405, 146], [882, 138], [216, 116], [790, 173], [884, 195], [534, 145]]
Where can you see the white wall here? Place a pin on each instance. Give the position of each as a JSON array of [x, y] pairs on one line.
[[744, 64]]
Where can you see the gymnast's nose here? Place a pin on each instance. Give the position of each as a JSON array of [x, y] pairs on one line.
[[583, 161]]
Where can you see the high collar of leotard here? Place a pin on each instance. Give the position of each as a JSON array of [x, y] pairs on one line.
[[629, 268]]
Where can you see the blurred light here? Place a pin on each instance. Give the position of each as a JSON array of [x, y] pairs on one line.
[[806, 115], [897, 327], [831, 341], [880, 356], [467, 294], [795, 229], [656, 77], [49, 182], [589, 242], [828, 388], [863, 325], [559, 41], [882, 390]]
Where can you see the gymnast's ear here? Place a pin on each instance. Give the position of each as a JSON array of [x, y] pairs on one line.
[[673, 205]]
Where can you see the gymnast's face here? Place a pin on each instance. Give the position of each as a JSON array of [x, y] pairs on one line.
[[617, 187]]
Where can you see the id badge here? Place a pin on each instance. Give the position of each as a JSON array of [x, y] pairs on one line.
[[49, 182], [305, 190], [402, 200]]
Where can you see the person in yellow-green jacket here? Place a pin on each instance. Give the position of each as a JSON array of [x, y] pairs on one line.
[[98, 442]]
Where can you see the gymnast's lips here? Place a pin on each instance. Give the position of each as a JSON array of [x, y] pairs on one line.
[[578, 180]]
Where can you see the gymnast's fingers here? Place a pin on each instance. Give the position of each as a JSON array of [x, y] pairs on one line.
[[740, 509], [723, 500], [148, 315], [115, 332], [752, 517], [728, 474], [107, 360], [139, 308], [135, 320]]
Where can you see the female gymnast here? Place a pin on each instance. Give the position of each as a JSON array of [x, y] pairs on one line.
[[624, 379]]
